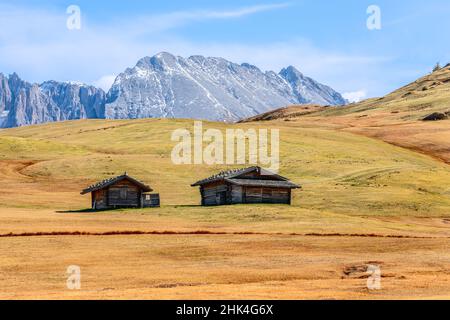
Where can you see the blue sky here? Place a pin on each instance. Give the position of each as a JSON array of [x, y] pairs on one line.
[[327, 40]]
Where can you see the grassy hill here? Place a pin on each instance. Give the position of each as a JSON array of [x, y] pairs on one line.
[[395, 118], [340, 172], [358, 192]]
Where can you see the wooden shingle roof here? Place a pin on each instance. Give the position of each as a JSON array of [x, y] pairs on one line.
[[263, 183], [108, 182], [232, 177], [222, 175]]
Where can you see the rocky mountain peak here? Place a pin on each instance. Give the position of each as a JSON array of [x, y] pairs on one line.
[[23, 103], [210, 88], [291, 74], [164, 86]]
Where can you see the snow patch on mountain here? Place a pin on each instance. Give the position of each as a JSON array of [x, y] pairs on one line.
[[208, 88], [164, 86]]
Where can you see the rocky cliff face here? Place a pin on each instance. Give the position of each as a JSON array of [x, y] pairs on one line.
[[208, 88], [22, 103], [309, 91], [164, 86], [5, 99]]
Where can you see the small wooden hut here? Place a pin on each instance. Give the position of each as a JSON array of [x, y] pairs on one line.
[[250, 185], [121, 192]]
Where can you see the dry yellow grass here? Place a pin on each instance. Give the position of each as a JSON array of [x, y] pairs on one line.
[[223, 267], [395, 118], [352, 185]]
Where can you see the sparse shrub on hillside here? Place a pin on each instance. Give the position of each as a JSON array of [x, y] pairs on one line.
[[437, 116], [407, 94], [437, 67]]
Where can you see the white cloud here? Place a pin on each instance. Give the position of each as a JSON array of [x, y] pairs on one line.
[[105, 82], [355, 96], [151, 24], [343, 71], [96, 52], [243, 11]]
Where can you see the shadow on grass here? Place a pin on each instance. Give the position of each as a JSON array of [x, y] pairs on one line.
[[124, 209], [88, 211], [188, 206], [168, 206]]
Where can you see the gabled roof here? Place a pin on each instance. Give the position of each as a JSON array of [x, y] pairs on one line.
[[107, 182], [224, 174], [263, 183], [231, 174]]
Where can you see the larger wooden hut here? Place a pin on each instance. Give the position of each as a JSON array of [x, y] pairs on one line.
[[121, 192], [250, 185]]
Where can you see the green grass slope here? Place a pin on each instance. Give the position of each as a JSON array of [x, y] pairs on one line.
[[341, 173]]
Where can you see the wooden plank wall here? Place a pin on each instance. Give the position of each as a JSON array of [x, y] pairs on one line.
[[217, 194], [267, 195], [124, 193], [236, 194], [214, 194], [151, 200], [99, 200]]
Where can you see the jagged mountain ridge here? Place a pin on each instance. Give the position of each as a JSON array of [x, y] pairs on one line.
[[209, 88], [164, 86], [23, 103]]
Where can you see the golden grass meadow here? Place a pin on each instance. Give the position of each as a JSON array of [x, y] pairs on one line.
[[364, 202]]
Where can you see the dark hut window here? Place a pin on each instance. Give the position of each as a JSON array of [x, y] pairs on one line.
[[123, 193]]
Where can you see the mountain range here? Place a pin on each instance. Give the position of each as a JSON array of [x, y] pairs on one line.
[[164, 86]]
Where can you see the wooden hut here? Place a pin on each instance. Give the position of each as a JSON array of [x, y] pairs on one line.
[[250, 185], [121, 192]]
